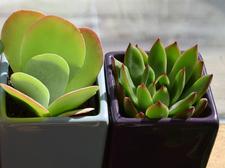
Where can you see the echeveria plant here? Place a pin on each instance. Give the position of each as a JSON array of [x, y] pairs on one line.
[[54, 63], [163, 82]]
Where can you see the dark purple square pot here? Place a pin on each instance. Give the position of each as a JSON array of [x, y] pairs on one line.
[[165, 143]]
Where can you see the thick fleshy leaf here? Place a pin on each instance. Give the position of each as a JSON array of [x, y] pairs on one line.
[[52, 70], [157, 58], [135, 63], [186, 113], [140, 115], [187, 60], [157, 111], [129, 108], [71, 100], [144, 54], [12, 34], [197, 73], [76, 112], [152, 89], [162, 95], [38, 109], [162, 80], [148, 76], [52, 34], [200, 86], [116, 66], [144, 97], [1, 47], [120, 93], [126, 81], [87, 74], [31, 87], [183, 104], [178, 86], [200, 107], [172, 53]]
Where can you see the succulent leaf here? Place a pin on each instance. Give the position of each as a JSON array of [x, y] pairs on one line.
[[127, 83], [200, 107], [31, 87], [140, 115], [200, 86], [144, 97], [52, 34], [37, 108], [135, 63], [87, 74], [76, 112], [1, 47], [178, 86], [172, 53], [148, 76], [129, 108], [13, 32], [120, 93], [157, 58], [71, 100], [162, 80], [157, 111], [197, 73], [183, 104], [162, 95], [43, 66], [187, 60], [186, 113], [116, 66], [152, 89], [144, 54]]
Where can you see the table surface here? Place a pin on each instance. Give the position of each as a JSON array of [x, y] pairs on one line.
[[119, 22]]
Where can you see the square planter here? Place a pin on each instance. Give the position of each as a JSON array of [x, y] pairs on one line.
[[55, 142], [172, 143]]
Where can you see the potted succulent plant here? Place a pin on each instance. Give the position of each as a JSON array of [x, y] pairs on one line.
[[50, 113], [162, 112]]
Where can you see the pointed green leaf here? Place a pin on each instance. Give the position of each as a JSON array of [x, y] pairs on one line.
[[152, 89], [31, 86], [76, 112], [162, 80], [127, 83], [144, 54], [172, 53], [183, 104], [197, 73], [162, 95], [157, 58], [52, 70], [116, 66], [87, 74], [148, 76], [187, 60], [129, 108], [144, 97], [135, 64], [120, 93], [200, 86], [157, 111], [186, 113], [71, 100], [12, 34], [52, 34], [200, 107], [37, 108], [178, 86]]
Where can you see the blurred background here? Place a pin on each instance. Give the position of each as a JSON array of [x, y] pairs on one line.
[[119, 22]]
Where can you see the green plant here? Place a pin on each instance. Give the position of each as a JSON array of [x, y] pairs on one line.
[[54, 63], [164, 82]]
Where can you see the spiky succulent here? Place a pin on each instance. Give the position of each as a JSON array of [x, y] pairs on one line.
[[52, 61], [163, 82]]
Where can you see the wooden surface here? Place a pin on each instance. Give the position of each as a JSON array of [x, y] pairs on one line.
[[217, 158]]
